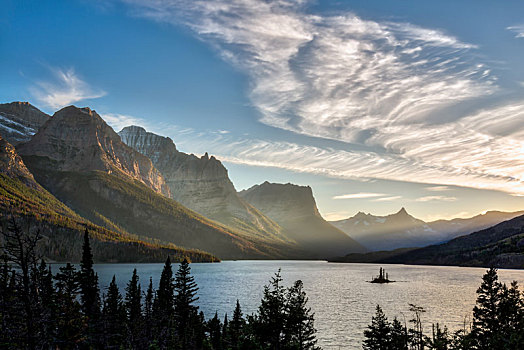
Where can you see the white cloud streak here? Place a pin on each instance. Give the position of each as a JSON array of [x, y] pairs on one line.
[[65, 89], [518, 30], [359, 195], [387, 199], [438, 188], [436, 198], [120, 121], [390, 87]]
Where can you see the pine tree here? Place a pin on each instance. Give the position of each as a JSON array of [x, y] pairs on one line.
[[70, 321], [299, 330], [114, 317], [148, 311], [163, 308], [399, 335], [226, 339], [214, 329], [271, 314], [511, 316], [186, 313], [46, 321], [486, 317], [89, 292], [133, 307], [11, 321], [378, 334], [236, 327]]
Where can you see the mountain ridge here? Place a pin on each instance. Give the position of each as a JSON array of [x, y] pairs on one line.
[[201, 184], [400, 230], [294, 208]]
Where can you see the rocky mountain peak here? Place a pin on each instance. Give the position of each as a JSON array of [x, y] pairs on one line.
[[19, 121], [78, 139], [12, 165], [402, 211], [199, 183], [282, 200]]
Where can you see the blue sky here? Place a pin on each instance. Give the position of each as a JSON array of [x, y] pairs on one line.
[[375, 104]]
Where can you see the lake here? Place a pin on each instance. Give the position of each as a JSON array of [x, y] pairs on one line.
[[339, 294]]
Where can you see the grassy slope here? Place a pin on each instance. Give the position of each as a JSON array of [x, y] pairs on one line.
[[62, 229], [127, 205]]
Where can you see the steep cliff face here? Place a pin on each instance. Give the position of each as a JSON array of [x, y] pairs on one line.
[[34, 208], [201, 184], [19, 121], [12, 165], [78, 139], [294, 208], [79, 159]]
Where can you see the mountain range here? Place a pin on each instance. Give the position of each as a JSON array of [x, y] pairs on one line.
[[141, 199], [501, 246], [137, 184], [402, 230]]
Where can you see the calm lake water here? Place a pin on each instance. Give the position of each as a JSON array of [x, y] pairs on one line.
[[339, 295]]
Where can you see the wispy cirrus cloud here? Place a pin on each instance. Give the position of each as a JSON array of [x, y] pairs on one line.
[[436, 198], [438, 188], [64, 89], [388, 86], [120, 121], [387, 199], [518, 30], [359, 195]]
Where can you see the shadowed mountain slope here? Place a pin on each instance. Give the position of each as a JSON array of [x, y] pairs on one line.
[[84, 163], [202, 184], [34, 208], [293, 207]]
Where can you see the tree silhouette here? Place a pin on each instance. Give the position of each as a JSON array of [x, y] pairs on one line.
[[114, 317], [163, 308], [133, 308], [486, 318], [89, 291], [271, 316], [186, 313], [378, 334], [299, 330]]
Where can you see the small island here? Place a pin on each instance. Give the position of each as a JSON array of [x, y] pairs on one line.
[[383, 277]]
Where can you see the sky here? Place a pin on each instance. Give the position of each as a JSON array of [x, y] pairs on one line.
[[376, 105]]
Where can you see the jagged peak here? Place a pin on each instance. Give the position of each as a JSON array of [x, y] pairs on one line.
[[402, 211]]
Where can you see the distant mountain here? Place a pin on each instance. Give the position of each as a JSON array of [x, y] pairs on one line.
[[23, 199], [501, 246], [403, 230], [387, 232], [201, 184], [293, 207], [459, 227], [19, 121], [84, 163]]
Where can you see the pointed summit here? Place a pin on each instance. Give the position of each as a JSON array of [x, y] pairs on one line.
[[78, 139], [403, 211]]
